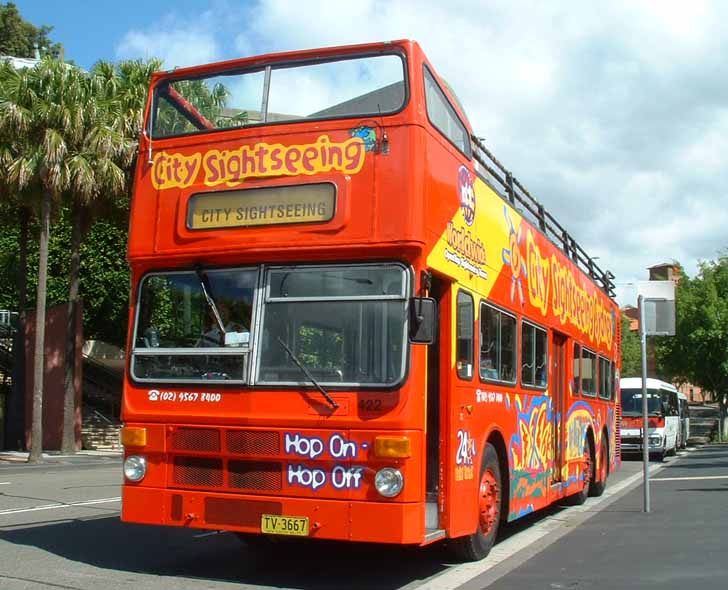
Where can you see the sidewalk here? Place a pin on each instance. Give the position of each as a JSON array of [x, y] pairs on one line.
[[682, 541], [53, 457]]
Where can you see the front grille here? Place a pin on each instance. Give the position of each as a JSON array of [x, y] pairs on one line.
[[197, 472], [240, 462], [255, 475], [253, 442], [196, 439]]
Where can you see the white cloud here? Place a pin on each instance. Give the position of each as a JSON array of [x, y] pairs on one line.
[[181, 47], [614, 114], [177, 40]]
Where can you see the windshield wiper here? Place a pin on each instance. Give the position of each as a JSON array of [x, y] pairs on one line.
[[311, 378], [207, 291]]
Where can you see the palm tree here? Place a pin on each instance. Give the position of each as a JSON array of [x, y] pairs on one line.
[[104, 153], [25, 171], [60, 149], [10, 146]]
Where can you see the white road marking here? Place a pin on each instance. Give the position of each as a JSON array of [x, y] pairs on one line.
[[459, 575], [690, 478], [59, 506], [5, 483]]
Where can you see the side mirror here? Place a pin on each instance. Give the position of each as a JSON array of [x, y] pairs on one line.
[[422, 320]]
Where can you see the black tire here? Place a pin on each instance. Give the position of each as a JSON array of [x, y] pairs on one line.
[[599, 483], [490, 502], [580, 497]]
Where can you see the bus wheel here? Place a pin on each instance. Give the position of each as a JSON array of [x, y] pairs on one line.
[[588, 461], [476, 546], [599, 483]]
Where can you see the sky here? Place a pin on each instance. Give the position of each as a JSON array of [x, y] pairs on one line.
[[613, 114]]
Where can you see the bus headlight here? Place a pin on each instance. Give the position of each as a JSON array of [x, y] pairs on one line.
[[389, 482], [655, 441], [135, 467]]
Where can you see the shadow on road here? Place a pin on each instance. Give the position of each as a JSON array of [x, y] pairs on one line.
[[106, 542]]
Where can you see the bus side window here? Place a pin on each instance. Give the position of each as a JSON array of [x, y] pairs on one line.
[[465, 321], [576, 385], [588, 373], [534, 355], [605, 389]]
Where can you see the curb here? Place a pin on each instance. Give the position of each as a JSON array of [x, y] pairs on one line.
[[21, 457]]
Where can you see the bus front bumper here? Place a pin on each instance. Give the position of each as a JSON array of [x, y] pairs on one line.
[[377, 522]]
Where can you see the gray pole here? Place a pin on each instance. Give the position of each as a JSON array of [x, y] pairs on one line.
[[645, 437]]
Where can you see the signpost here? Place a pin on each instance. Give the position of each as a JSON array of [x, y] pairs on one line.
[[656, 304]]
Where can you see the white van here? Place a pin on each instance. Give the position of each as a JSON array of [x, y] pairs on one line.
[[663, 417]]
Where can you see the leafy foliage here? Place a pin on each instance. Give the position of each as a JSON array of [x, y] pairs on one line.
[[631, 354], [104, 271], [210, 102], [699, 351], [19, 38], [73, 134]]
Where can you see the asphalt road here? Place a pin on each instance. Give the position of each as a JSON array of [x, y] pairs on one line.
[[682, 543], [59, 528]]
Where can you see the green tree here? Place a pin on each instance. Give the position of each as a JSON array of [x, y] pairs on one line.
[[65, 147], [631, 353], [698, 353], [19, 38]]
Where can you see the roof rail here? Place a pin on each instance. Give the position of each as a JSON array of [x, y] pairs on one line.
[[516, 193]]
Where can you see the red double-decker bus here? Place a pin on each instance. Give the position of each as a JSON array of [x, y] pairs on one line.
[[349, 320]]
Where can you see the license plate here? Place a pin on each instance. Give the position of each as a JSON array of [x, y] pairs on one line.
[[284, 525]]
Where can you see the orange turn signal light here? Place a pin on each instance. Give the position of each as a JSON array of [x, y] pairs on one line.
[[133, 436], [392, 447]]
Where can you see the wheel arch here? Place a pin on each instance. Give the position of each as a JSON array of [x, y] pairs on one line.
[[605, 437], [495, 438]]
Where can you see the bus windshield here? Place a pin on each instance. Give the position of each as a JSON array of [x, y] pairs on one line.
[[345, 324], [364, 85], [632, 402]]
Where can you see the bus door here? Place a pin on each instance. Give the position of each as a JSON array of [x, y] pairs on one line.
[[559, 375], [437, 388]]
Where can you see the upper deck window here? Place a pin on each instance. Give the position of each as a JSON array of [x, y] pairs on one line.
[[443, 116], [360, 86]]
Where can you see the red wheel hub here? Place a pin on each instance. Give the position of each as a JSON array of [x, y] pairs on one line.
[[488, 501]]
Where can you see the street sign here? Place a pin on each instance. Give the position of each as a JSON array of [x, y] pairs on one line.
[[658, 305]]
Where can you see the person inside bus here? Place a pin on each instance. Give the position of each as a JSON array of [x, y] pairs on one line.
[[212, 337]]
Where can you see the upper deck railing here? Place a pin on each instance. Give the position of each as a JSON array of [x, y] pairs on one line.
[[518, 196]]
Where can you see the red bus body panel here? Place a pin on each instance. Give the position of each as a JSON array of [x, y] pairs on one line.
[[222, 464]]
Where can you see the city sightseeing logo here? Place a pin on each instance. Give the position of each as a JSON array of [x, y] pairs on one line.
[[467, 195]]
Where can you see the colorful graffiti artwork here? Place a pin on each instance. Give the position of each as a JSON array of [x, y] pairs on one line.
[[512, 257], [578, 421], [531, 453]]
